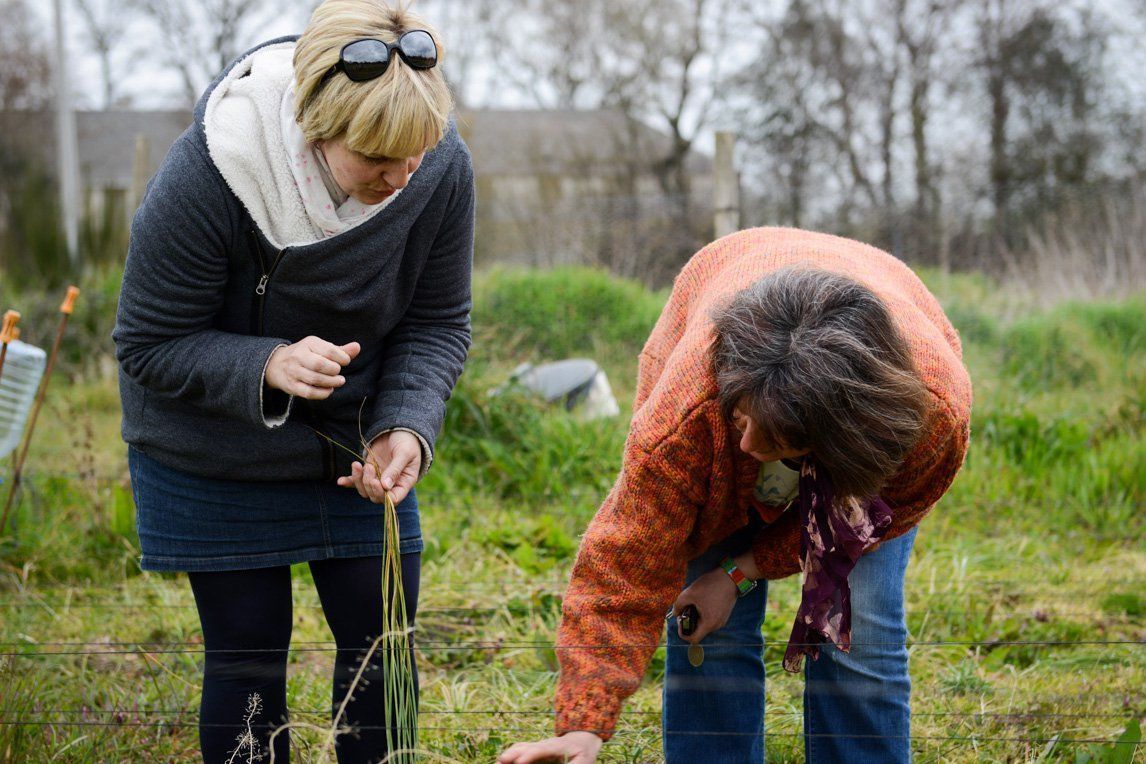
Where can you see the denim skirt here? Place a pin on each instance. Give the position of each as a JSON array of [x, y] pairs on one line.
[[196, 524]]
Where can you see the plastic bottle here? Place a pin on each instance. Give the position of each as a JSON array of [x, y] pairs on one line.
[[19, 380]]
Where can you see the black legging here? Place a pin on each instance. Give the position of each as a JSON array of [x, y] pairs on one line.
[[246, 618]]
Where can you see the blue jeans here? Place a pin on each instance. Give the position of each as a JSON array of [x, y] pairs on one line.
[[856, 705]]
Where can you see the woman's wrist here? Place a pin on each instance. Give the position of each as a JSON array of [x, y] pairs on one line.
[[747, 564]]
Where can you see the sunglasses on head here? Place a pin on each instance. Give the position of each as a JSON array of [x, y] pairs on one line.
[[367, 59]]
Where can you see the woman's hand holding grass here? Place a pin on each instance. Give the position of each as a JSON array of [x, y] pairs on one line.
[[570, 748], [310, 368], [398, 454]]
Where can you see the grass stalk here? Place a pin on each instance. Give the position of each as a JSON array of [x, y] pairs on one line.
[[400, 692]]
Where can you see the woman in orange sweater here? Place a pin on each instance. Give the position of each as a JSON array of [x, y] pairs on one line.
[[800, 403]]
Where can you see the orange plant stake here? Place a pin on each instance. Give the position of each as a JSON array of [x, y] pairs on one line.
[[7, 334], [66, 309]]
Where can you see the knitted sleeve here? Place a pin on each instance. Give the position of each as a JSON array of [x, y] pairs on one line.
[[924, 478], [630, 568], [927, 476]]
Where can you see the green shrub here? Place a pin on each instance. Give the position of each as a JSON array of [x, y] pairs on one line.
[[516, 446], [32, 246], [565, 311], [1029, 443], [1048, 351], [972, 324], [1120, 326], [88, 337]]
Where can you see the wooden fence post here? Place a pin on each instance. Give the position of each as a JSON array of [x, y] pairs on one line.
[[140, 173], [727, 191]]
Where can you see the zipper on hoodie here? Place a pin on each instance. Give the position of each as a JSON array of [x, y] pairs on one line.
[[264, 278], [258, 309]]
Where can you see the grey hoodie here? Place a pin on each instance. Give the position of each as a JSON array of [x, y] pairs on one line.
[[206, 299]]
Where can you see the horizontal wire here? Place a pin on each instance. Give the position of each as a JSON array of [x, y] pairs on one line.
[[696, 733], [919, 581], [485, 644], [526, 588], [192, 606], [1047, 611], [498, 647], [433, 712], [31, 477]]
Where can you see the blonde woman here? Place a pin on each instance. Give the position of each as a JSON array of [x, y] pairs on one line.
[[299, 265]]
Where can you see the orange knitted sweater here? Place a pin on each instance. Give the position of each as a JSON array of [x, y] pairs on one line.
[[685, 484]]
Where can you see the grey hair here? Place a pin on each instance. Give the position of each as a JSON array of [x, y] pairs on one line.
[[815, 359]]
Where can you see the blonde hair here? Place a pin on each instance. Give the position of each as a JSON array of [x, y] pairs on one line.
[[400, 114]]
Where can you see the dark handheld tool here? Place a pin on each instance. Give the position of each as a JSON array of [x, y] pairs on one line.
[[689, 619]]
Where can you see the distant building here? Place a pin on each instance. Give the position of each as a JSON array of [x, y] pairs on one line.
[[553, 186]]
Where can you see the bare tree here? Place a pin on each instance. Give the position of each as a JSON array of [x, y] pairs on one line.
[[105, 27], [465, 26], [919, 25], [655, 61], [25, 68], [546, 50], [201, 38], [1041, 68]]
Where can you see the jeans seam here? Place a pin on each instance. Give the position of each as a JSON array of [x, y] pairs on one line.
[[328, 543]]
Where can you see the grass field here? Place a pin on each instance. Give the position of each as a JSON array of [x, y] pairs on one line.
[[1025, 597]]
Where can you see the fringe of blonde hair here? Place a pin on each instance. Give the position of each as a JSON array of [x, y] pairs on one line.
[[400, 114]]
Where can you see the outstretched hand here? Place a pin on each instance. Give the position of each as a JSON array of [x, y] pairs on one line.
[[398, 454], [570, 748]]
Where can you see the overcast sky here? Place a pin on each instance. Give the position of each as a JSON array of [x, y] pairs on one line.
[[146, 85]]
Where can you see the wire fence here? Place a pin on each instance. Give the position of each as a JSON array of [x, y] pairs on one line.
[[998, 727], [160, 647], [532, 731], [1046, 600]]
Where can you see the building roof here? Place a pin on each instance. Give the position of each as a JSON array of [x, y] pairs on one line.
[[503, 142], [560, 142], [106, 140]]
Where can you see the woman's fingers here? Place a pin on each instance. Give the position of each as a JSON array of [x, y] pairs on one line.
[[351, 349], [310, 368], [309, 392], [527, 753], [364, 479], [570, 748], [401, 470], [391, 466], [701, 629], [354, 480], [320, 364], [373, 484]]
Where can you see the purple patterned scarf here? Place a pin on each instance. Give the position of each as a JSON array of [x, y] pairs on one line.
[[832, 538]]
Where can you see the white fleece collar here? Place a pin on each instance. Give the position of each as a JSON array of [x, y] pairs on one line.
[[243, 123]]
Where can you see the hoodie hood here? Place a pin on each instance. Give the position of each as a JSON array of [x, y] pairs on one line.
[[248, 121], [244, 139]]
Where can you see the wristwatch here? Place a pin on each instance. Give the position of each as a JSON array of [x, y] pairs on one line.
[[743, 583]]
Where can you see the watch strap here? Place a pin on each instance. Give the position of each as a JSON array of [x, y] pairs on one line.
[[743, 583]]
